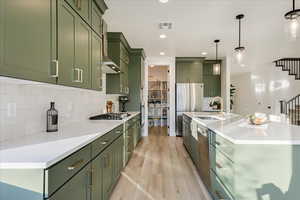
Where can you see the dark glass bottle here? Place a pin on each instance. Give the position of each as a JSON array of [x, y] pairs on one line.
[[52, 118]]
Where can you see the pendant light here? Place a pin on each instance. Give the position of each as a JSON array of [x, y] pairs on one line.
[[240, 49], [293, 18], [217, 65]]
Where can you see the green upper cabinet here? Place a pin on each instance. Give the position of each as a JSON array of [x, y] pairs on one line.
[[136, 70], [118, 51], [96, 19], [73, 48], [51, 41], [27, 39], [96, 62], [189, 70], [212, 83], [82, 7]]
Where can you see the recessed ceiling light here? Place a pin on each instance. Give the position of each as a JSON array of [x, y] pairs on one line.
[[151, 65], [204, 53], [163, 36], [163, 1], [243, 65], [162, 53]]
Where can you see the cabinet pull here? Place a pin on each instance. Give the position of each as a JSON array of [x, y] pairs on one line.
[[78, 4], [75, 165], [104, 142], [81, 76], [217, 143], [220, 197], [52, 73], [118, 132], [77, 75], [218, 165]]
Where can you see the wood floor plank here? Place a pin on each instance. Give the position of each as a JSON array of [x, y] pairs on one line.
[[160, 169]]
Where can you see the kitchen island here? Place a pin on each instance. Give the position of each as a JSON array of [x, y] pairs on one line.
[[243, 161]]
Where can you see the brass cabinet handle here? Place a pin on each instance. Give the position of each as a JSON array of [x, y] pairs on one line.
[[104, 142], [78, 4], [217, 143], [75, 165], [76, 75], [220, 197], [55, 74], [218, 165]]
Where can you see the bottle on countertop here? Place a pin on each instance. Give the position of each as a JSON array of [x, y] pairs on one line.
[[52, 118]]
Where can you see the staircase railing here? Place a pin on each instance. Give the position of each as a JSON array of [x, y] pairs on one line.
[[291, 65], [291, 108]]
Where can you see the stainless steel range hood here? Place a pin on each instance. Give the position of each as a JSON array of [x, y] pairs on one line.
[[109, 67]]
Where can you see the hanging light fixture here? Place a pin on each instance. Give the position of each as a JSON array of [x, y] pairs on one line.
[[239, 50], [217, 65], [293, 18]]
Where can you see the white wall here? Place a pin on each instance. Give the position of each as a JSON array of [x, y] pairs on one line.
[[169, 61], [23, 106], [265, 86], [225, 83]]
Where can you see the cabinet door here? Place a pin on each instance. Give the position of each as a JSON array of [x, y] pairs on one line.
[[27, 39], [66, 43], [78, 188], [96, 19], [82, 7], [122, 76], [97, 177], [107, 173], [96, 62], [82, 67]]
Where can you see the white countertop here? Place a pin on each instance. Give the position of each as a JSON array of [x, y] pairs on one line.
[[42, 151], [236, 129]]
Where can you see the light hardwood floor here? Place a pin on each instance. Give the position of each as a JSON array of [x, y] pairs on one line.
[[160, 169]]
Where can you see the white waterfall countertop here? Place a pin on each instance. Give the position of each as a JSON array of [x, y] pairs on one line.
[[237, 129], [40, 151]]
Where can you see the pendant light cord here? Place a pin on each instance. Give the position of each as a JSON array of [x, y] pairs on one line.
[[216, 52], [294, 7], [239, 32]]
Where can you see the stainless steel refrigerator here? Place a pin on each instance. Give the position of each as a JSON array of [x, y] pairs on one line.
[[189, 98]]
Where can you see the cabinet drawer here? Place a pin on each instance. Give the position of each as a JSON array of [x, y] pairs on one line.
[[82, 7], [222, 144], [61, 172], [223, 168], [105, 140], [218, 189]]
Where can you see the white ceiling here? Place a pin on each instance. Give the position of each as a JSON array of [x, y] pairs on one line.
[[197, 23]]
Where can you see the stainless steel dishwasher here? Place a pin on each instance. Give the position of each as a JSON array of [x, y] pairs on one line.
[[203, 146]]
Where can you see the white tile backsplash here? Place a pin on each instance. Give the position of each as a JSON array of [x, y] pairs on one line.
[[23, 106]]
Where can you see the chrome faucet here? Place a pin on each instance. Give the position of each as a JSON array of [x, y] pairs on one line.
[[221, 102]]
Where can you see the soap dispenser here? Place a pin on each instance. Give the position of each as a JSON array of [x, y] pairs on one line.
[[52, 118]]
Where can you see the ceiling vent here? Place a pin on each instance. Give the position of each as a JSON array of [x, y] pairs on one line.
[[165, 26]]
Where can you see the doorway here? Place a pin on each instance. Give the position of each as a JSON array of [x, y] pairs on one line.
[[158, 99]]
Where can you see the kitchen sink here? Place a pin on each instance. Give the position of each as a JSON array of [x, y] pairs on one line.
[[210, 118], [110, 116]]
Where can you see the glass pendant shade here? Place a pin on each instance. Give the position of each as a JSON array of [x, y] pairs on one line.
[[293, 27], [239, 54], [217, 69], [293, 18]]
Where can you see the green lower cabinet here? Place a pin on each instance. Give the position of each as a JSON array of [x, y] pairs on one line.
[[78, 188], [254, 171], [27, 39], [97, 177], [96, 62]]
